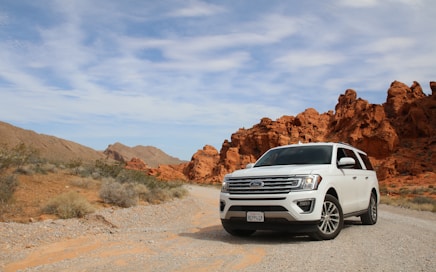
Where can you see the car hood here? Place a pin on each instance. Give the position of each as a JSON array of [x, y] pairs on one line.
[[278, 170]]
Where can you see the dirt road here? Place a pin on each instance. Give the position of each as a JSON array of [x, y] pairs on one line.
[[186, 235]]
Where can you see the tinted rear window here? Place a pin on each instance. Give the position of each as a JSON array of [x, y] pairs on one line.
[[366, 161]]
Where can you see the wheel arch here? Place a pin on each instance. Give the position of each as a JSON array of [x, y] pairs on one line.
[[374, 191], [333, 192]]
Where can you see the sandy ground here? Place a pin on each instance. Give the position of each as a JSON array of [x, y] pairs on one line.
[[186, 235]]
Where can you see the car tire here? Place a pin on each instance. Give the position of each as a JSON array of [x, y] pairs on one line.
[[332, 220], [371, 215]]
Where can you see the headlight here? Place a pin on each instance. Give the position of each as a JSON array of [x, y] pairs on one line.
[[310, 182], [225, 186]]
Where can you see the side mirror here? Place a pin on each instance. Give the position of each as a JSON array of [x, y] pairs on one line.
[[346, 162], [250, 165]]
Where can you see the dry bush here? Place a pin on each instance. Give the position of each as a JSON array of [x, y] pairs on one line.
[[8, 185], [127, 194], [416, 203], [68, 205], [159, 195], [123, 195], [85, 183]]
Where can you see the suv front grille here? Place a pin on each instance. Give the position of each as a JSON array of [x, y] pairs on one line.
[[263, 185]]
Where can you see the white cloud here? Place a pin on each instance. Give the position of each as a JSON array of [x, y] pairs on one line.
[[301, 59], [359, 3], [120, 71], [389, 44], [196, 8]]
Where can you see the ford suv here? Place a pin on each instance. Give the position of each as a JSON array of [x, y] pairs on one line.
[[307, 188]]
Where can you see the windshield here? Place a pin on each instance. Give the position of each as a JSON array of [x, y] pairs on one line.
[[318, 154]]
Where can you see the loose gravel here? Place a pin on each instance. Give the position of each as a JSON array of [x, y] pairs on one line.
[[186, 235]]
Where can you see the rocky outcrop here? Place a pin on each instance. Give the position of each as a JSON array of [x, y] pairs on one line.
[[363, 125], [137, 164], [200, 168], [399, 135]]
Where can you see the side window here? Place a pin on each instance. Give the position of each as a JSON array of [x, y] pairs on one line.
[[366, 161], [344, 152]]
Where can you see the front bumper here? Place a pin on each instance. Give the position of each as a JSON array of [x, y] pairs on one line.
[[282, 209]]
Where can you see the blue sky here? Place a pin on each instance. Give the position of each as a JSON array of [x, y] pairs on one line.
[[178, 75]]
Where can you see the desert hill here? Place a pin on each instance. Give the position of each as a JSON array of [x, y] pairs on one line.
[[59, 150], [48, 147], [150, 155], [399, 136]]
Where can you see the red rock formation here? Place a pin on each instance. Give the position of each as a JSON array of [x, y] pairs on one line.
[[201, 165], [363, 125], [399, 136], [170, 172], [137, 164]]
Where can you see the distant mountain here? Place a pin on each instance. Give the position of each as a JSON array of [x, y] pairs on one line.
[[60, 150], [152, 156], [49, 147]]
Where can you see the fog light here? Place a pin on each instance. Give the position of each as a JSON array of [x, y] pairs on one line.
[[306, 205], [222, 205]]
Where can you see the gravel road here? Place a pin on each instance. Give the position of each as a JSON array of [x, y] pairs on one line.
[[186, 235]]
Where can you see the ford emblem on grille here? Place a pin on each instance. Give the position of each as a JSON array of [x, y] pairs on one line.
[[256, 183]]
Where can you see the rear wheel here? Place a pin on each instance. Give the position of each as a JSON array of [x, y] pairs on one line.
[[370, 216], [332, 220]]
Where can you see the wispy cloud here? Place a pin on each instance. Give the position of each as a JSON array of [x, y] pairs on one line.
[[196, 8], [164, 72]]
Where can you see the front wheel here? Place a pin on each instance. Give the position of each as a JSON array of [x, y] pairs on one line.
[[332, 220], [370, 216]]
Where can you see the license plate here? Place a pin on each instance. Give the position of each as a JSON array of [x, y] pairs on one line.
[[255, 217]]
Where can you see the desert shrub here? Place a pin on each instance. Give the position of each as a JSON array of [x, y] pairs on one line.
[[404, 191], [78, 167], [159, 195], [17, 156], [418, 191], [383, 189], [179, 192], [418, 203], [68, 205], [130, 186], [108, 169], [123, 195], [44, 168], [423, 200], [85, 183], [8, 185], [25, 170]]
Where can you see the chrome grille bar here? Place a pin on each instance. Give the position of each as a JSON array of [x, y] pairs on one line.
[[263, 185]]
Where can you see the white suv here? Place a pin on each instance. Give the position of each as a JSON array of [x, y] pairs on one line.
[[308, 188]]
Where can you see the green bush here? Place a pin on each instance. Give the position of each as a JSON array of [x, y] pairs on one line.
[[107, 169], [68, 205]]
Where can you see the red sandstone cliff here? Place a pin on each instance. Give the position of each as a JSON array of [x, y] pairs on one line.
[[399, 136]]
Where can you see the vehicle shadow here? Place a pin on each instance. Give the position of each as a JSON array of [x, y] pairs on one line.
[[217, 233]]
